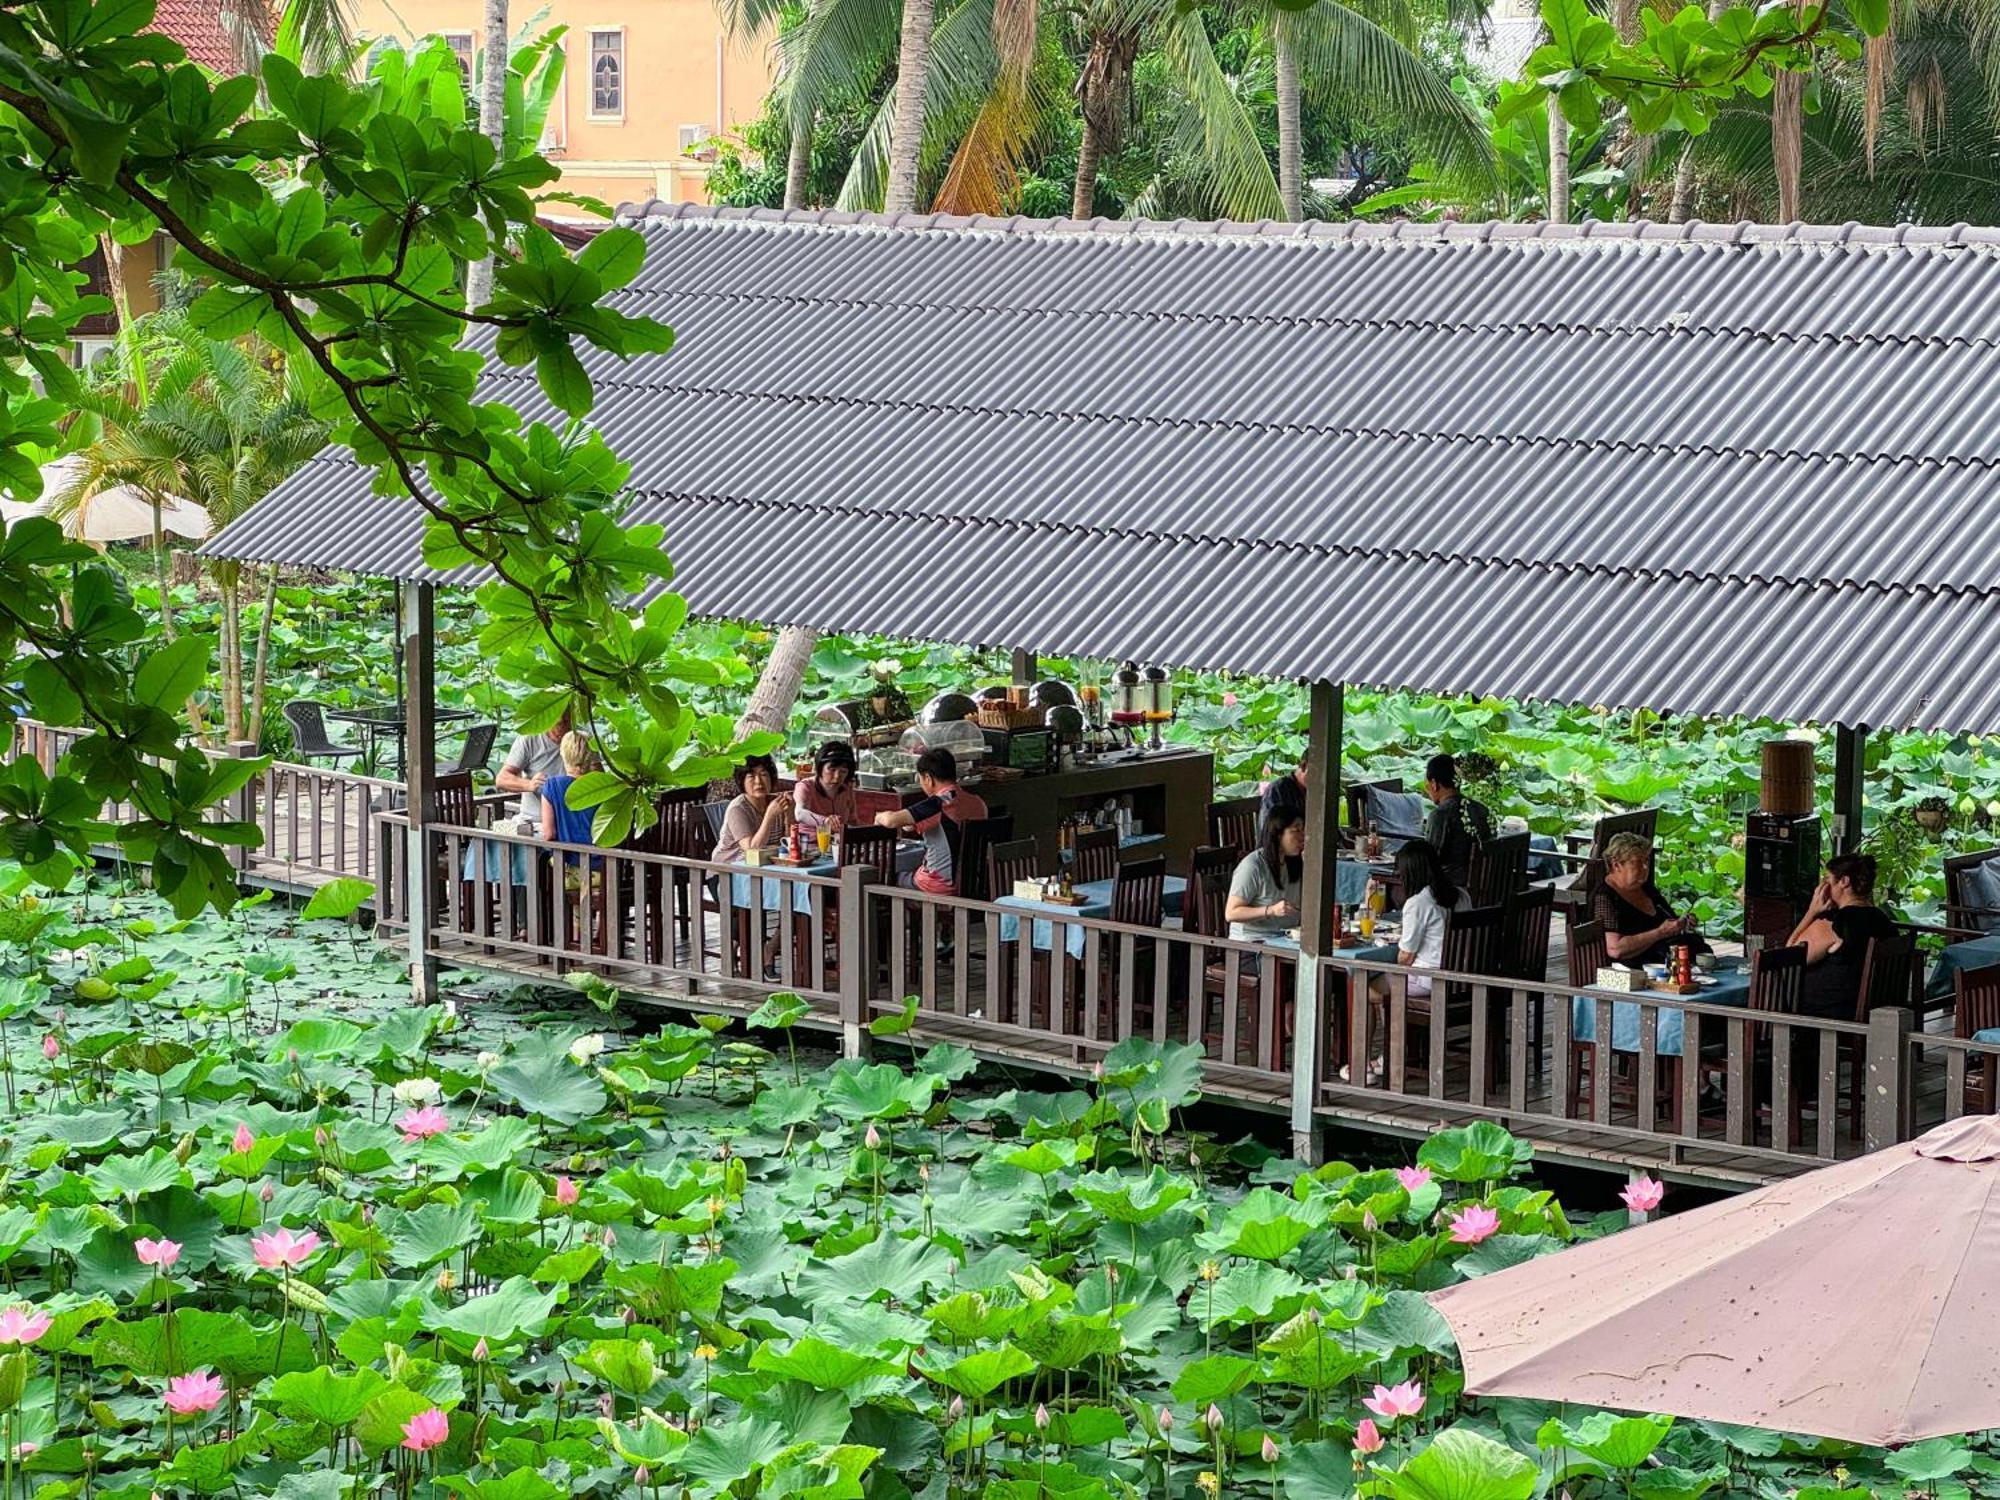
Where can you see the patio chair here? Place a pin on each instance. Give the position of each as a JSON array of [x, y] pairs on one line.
[[1972, 893], [1886, 978], [1207, 899], [477, 750], [310, 741], [1574, 893], [1095, 856], [1009, 861], [1499, 868], [975, 837], [1137, 893], [1232, 824], [1471, 946], [1978, 995]]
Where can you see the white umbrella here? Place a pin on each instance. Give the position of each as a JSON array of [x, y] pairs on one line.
[[57, 476], [124, 513]]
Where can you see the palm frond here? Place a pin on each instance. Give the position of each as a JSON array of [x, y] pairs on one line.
[[1237, 174], [963, 67]]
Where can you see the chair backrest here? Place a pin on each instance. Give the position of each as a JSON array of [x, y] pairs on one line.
[[1499, 868], [975, 837], [307, 716], [1472, 940], [477, 749], [1356, 795], [1645, 822], [679, 829], [1526, 917], [1096, 855], [871, 848], [716, 813], [454, 799], [1136, 892], [1885, 973], [1778, 979], [1234, 822], [1587, 953], [1972, 891], [1008, 861], [1208, 874], [1978, 992]]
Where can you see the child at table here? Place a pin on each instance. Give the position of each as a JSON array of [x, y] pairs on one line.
[[1431, 897]]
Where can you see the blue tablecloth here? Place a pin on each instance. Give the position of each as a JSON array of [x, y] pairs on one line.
[[1732, 987], [1973, 953], [517, 863], [1096, 896], [1991, 1034], [773, 894], [1288, 945]]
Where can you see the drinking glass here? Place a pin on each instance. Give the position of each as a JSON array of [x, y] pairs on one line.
[[823, 836]]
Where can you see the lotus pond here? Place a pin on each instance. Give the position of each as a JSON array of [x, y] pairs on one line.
[[269, 1230]]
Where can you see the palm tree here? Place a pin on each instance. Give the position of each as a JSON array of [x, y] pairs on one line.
[[221, 425]]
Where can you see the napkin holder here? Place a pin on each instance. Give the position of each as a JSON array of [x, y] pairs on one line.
[[1624, 981], [1032, 890]]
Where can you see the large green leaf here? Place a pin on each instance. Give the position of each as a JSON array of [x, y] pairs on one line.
[[1460, 1464], [548, 1084], [515, 1309]]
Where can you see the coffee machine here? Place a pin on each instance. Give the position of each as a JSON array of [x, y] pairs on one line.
[[1782, 854]]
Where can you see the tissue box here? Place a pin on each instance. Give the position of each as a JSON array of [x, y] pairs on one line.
[[1612, 977]]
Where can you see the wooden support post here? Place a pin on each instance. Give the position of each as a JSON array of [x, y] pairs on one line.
[[1024, 668], [1850, 778], [243, 803], [857, 960], [417, 629], [1316, 934], [1885, 1102]]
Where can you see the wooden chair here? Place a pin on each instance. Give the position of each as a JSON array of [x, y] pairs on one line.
[[475, 752], [1355, 794], [1137, 891], [1471, 946], [1575, 893], [1887, 975], [1499, 868], [1095, 856], [874, 848], [1234, 824], [310, 741], [452, 792], [1587, 954], [679, 831], [975, 837], [1978, 995], [1526, 918], [1204, 906], [1967, 910], [1777, 985], [1016, 859]]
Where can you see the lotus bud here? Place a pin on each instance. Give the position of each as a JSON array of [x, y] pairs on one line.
[[725, 1151], [51, 1048], [368, 1214], [923, 1171], [1312, 1315], [610, 1237], [446, 1280], [488, 1061], [1042, 1417], [243, 1141], [1270, 1449], [1213, 1417], [62, 1015], [480, 1351], [630, 1315], [319, 1137], [184, 1148], [604, 1406], [873, 1139], [266, 1193], [1111, 1275], [1194, 1156], [956, 1409], [643, 1477], [1368, 1220], [1097, 1071], [1166, 1419]]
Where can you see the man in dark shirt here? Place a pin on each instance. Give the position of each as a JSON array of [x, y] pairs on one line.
[[1837, 928], [1457, 825], [1287, 794]]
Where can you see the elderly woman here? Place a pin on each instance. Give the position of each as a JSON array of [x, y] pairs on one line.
[[1639, 926], [826, 798], [757, 816]]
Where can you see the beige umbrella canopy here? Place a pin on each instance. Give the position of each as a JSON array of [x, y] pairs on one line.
[[121, 513], [1861, 1301]]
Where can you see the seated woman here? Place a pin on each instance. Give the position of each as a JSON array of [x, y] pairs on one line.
[[1264, 891], [1837, 928], [1431, 896], [826, 798], [561, 823], [757, 816], [1639, 926]]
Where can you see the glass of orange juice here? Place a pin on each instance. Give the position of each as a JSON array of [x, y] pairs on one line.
[[823, 836]]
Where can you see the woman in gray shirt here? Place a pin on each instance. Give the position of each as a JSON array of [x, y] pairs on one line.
[[1264, 891]]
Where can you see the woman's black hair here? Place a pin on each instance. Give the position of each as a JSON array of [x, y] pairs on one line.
[[751, 763], [833, 753], [1271, 844], [1858, 870], [1418, 868]]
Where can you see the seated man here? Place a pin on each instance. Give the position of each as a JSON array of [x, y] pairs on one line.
[[530, 762], [1457, 825], [1287, 794], [945, 806]]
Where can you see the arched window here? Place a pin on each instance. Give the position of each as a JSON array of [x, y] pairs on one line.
[[607, 72]]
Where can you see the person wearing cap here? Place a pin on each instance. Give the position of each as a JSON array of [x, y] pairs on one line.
[[826, 798]]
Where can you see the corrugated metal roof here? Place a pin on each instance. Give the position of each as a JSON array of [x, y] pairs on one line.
[[1707, 468]]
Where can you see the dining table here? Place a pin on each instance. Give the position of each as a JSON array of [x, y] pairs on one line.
[[1093, 901], [909, 854], [1730, 986], [375, 722], [1972, 953]]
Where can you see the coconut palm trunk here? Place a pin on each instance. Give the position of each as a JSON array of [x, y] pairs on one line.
[[1083, 201], [906, 139], [1558, 163], [1291, 157], [798, 163], [492, 125], [1788, 117]]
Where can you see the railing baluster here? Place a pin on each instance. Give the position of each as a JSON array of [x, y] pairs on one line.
[[1646, 1105]]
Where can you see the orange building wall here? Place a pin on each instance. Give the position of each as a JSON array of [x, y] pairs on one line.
[[679, 70]]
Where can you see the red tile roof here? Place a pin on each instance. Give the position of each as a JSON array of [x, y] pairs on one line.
[[198, 26]]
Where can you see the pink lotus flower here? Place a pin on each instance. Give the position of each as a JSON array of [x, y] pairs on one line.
[[566, 1192], [1392, 1401], [1413, 1178], [1474, 1223], [1367, 1437], [21, 1324], [480, 1352], [51, 1048], [1270, 1449], [283, 1248], [1229, 700], [162, 1253], [243, 1141], [1643, 1194], [422, 1124], [188, 1394], [425, 1431]]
